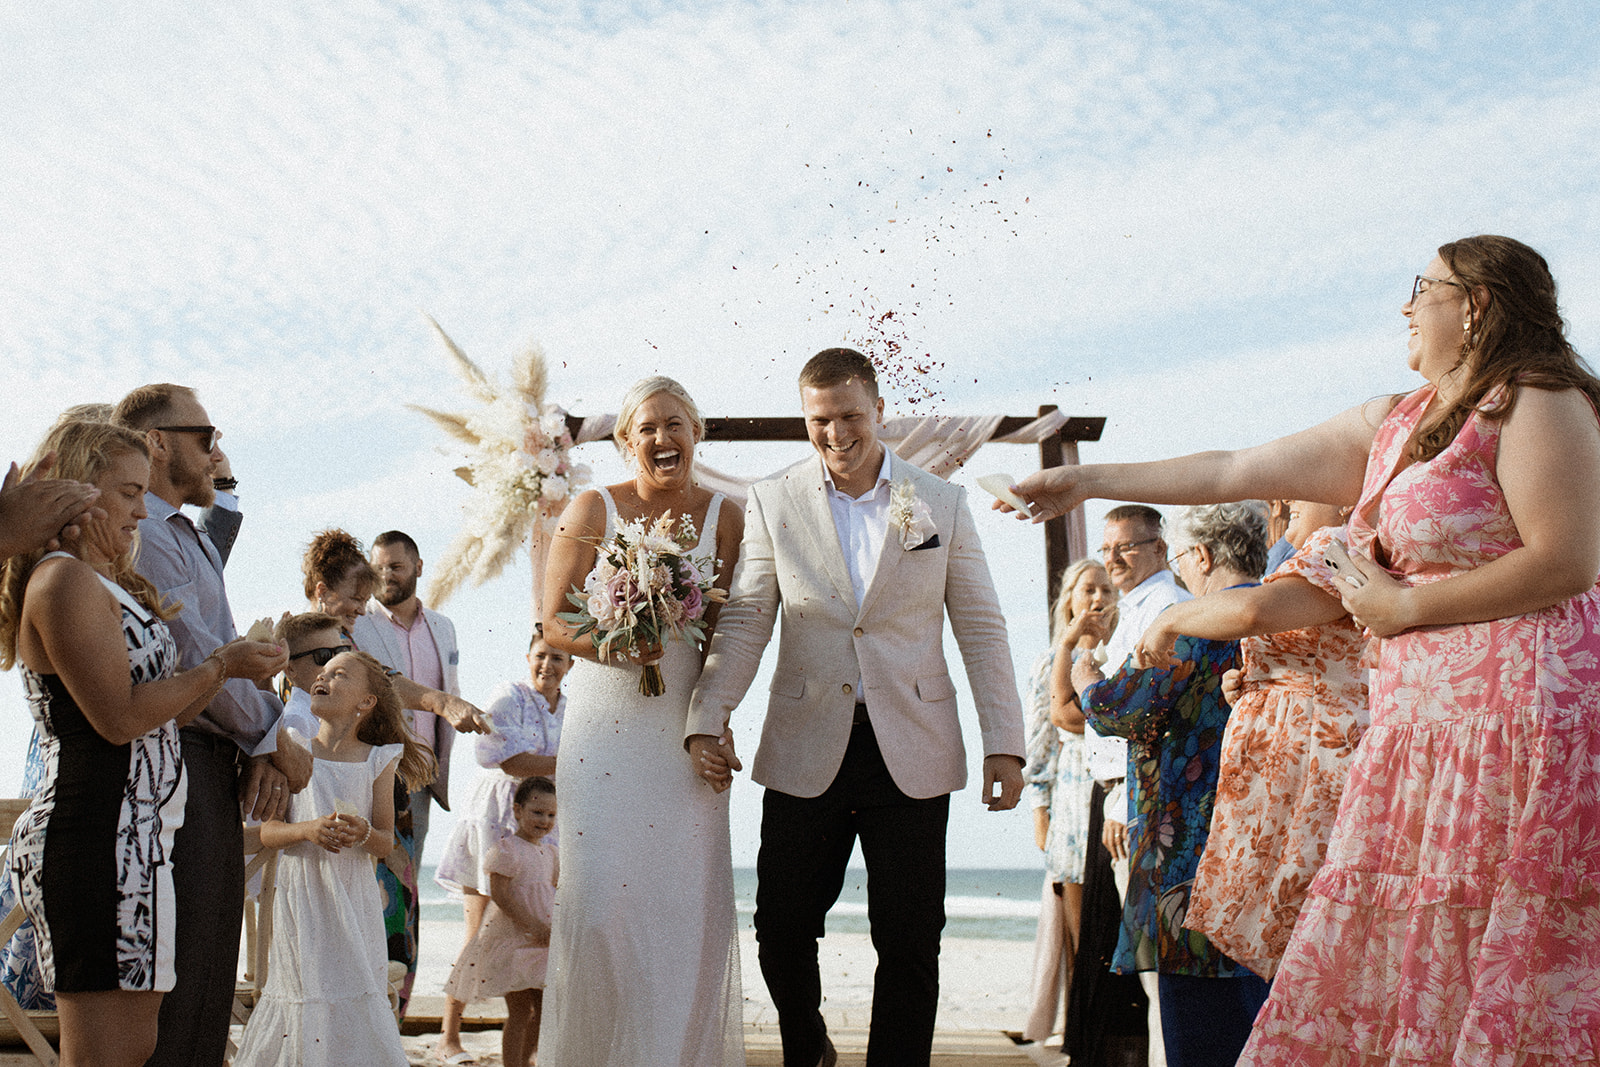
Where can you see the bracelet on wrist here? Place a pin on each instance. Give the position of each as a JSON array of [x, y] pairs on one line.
[[227, 485], [368, 837]]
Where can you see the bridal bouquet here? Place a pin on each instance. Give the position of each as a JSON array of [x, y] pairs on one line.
[[646, 589]]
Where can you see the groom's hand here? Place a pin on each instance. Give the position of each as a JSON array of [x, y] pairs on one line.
[[713, 758], [1006, 773]]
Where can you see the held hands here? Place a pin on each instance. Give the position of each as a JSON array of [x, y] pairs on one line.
[[336, 832], [1375, 600], [713, 758]]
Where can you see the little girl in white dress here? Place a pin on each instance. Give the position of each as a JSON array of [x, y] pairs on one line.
[[509, 954], [326, 997]]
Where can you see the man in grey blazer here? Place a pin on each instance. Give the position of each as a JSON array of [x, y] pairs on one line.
[[862, 555]]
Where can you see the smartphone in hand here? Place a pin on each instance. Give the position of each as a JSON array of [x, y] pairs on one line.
[[1337, 558]]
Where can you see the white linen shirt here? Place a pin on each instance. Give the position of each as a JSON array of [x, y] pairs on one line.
[[862, 524]]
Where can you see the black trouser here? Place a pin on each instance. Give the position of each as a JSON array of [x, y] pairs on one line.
[[805, 845], [1105, 1012], [208, 884]]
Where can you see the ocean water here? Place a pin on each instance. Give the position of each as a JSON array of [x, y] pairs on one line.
[[998, 905]]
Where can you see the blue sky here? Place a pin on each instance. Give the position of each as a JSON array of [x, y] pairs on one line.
[[1196, 219]]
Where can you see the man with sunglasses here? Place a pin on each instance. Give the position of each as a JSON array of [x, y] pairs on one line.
[[234, 753]]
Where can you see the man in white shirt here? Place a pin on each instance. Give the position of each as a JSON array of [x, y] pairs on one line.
[[1135, 555], [863, 556]]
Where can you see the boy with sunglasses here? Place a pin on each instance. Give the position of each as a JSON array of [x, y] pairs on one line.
[[312, 639]]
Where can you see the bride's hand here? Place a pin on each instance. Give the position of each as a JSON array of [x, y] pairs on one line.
[[644, 652], [713, 759]]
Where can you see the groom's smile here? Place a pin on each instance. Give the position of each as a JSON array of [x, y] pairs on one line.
[[842, 422]]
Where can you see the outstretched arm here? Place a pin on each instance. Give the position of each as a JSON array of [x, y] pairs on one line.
[[1325, 463], [1288, 603]]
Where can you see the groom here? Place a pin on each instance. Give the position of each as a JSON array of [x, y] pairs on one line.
[[862, 554]]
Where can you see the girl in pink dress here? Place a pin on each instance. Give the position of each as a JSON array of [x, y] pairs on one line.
[[1456, 919], [508, 955]]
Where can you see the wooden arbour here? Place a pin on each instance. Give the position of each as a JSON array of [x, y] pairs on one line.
[[1065, 538]]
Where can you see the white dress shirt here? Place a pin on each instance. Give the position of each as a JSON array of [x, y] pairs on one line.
[[862, 524]]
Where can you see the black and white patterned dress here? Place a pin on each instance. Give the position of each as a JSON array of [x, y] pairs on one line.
[[92, 858]]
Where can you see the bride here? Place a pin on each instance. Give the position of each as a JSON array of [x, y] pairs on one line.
[[644, 963]]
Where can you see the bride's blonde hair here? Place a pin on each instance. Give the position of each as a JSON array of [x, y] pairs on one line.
[[643, 390]]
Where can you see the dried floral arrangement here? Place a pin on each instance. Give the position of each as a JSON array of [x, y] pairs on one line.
[[518, 463]]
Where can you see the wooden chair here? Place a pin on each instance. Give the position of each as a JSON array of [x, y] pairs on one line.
[[39, 1031]]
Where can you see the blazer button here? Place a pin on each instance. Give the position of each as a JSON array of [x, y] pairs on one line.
[[859, 631], [847, 688]]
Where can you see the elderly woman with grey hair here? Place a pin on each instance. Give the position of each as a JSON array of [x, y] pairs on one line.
[[1174, 719]]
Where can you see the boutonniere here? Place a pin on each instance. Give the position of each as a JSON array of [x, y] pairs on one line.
[[911, 517]]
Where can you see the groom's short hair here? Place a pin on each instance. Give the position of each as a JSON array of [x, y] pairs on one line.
[[836, 366]]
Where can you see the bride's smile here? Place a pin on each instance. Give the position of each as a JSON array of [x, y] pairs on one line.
[[661, 442]]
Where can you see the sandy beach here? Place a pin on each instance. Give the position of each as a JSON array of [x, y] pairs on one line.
[[983, 986]]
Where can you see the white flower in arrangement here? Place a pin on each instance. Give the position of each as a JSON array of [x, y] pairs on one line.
[[910, 515]]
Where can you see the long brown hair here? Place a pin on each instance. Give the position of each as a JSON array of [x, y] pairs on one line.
[[1517, 337], [386, 725], [83, 451]]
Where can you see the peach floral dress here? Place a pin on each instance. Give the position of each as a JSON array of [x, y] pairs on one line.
[[1457, 917], [1287, 749]]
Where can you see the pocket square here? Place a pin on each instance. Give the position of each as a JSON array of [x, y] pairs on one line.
[[932, 542]]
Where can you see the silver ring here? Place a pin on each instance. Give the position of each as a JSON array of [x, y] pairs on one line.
[[277, 789]]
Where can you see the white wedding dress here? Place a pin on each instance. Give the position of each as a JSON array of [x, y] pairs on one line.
[[644, 951]]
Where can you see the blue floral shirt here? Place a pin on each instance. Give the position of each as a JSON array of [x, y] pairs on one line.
[[1173, 720]]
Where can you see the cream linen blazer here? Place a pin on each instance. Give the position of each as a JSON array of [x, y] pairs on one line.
[[791, 565]]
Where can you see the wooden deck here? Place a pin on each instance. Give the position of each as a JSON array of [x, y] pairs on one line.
[[951, 1048]]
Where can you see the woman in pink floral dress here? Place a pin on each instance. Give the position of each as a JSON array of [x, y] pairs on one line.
[[1457, 917]]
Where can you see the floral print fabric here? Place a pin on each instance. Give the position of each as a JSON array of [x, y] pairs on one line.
[[1457, 917], [1285, 755], [1057, 777], [1173, 720]]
